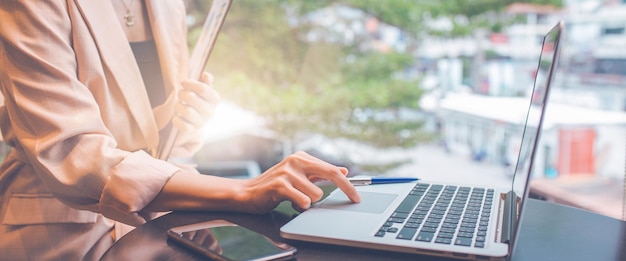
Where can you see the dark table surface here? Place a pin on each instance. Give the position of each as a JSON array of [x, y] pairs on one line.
[[549, 232]]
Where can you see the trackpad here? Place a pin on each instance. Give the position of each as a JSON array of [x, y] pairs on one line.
[[371, 202]]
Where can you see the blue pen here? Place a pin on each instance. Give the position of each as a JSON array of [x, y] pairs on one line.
[[360, 181]]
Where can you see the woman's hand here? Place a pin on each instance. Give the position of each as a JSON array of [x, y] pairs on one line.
[[292, 180], [197, 101]]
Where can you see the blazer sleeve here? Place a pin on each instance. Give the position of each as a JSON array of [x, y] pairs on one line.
[[54, 118]]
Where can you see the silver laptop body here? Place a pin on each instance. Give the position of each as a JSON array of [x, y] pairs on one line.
[[440, 219]]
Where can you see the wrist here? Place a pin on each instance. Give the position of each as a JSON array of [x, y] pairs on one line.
[[199, 192], [239, 195]]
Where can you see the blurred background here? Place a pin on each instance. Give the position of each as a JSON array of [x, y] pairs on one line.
[[433, 89]]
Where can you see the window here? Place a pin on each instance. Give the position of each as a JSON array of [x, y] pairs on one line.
[[613, 30], [610, 66]]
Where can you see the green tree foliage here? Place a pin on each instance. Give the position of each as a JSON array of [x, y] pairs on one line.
[[263, 63]]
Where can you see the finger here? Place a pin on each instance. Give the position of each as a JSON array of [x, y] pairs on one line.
[[312, 166], [207, 78], [306, 187], [183, 125], [204, 108], [314, 178], [297, 198], [202, 89], [344, 184], [321, 169], [189, 114], [343, 171], [297, 208]]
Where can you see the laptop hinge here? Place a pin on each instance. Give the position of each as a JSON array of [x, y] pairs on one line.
[[509, 217]]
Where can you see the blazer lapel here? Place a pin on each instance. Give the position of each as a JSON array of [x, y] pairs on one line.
[[118, 58]]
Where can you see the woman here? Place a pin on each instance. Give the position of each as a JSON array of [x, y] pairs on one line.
[[83, 116]]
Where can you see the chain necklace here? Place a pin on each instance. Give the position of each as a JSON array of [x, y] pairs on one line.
[[129, 17]]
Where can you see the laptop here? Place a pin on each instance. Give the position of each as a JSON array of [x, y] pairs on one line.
[[452, 220]]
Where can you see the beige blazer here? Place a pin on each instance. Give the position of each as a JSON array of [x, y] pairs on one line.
[[80, 123]]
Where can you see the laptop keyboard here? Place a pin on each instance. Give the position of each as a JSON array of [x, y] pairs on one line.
[[445, 214]]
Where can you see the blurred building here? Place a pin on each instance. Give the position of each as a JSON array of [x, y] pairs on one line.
[[595, 58], [575, 140], [584, 132]]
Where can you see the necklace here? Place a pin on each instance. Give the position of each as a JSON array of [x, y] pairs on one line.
[[129, 16]]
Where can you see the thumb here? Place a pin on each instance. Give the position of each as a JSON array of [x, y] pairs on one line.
[[207, 78]]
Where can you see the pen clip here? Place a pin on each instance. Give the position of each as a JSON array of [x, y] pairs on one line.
[[360, 181]]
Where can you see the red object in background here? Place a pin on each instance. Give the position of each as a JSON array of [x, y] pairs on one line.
[[497, 38], [576, 156]]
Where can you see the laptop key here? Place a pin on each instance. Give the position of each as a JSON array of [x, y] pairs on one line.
[[429, 229], [442, 240], [408, 204], [470, 225], [445, 235], [411, 225], [463, 241], [425, 236], [449, 225], [399, 215], [406, 233], [395, 220], [447, 230], [418, 215], [416, 220], [466, 230], [431, 224], [465, 234]]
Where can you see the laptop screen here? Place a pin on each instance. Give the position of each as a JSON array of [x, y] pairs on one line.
[[534, 118]]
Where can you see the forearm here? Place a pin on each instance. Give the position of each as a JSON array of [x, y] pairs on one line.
[[192, 191], [291, 180]]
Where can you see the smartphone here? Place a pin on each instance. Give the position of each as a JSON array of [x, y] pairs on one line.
[[226, 241]]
